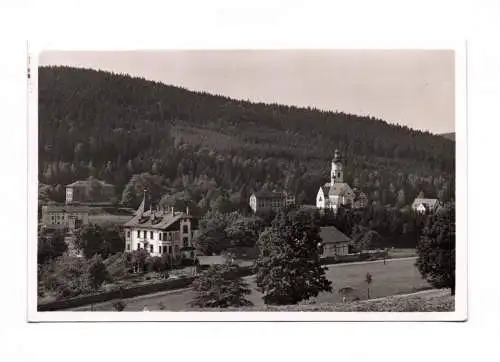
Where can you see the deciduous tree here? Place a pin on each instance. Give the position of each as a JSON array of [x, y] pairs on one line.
[[220, 287], [288, 267]]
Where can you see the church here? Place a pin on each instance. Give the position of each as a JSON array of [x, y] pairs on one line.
[[338, 193]]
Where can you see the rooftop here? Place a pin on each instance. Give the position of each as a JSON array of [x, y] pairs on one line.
[[161, 220], [266, 194], [426, 202], [65, 208], [331, 234], [88, 182]]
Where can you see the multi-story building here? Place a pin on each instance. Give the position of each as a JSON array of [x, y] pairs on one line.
[[66, 218], [274, 200], [423, 206], [90, 191], [161, 232], [338, 193]]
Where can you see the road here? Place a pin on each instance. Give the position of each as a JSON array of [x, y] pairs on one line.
[[398, 276]]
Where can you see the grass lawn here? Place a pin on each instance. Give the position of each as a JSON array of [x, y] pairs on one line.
[[428, 301], [109, 218], [398, 276], [402, 252]]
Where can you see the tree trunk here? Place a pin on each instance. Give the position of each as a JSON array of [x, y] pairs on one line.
[[368, 293]]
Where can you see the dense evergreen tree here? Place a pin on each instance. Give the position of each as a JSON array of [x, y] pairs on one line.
[[118, 128], [436, 249]]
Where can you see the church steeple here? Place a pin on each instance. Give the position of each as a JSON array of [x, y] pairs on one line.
[[337, 172]]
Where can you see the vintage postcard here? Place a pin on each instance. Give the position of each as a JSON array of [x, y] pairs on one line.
[[266, 184]]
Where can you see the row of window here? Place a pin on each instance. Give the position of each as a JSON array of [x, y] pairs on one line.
[[162, 249], [167, 236]]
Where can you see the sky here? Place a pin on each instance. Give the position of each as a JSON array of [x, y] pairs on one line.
[[415, 88]]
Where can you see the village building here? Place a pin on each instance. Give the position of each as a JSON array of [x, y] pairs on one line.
[[265, 199], [66, 218], [335, 243], [423, 206], [90, 191], [338, 193], [161, 231]]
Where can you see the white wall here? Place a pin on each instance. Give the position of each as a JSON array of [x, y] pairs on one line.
[[174, 238]]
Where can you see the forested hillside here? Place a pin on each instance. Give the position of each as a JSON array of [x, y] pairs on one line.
[[207, 149]]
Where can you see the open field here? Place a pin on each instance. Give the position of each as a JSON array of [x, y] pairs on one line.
[[402, 252], [398, 276], [109, 218], [426, 301]]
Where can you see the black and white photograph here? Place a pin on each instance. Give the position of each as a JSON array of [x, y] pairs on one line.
[[175, 183]]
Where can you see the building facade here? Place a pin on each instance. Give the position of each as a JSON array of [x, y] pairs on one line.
[[161, 232], [274, 200], [423, 206], [338, 193], [67, 218], [90, 191], [334, 242]]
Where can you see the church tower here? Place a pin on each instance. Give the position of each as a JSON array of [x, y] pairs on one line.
[[337, 173]]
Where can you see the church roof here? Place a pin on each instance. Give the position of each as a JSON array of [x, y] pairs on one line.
[[338, 189], [326, 188]]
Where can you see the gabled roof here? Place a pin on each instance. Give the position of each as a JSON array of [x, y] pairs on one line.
[[326, 188], [339, 189], [65, 208], [161, 221], [428, 203], [266, 194], [331, 234], [86, 183]]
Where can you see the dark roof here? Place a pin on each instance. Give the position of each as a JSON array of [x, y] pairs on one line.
[[65, 208], [266, 194], [86, 183], [162, 221], [338, 189], [331, 234]]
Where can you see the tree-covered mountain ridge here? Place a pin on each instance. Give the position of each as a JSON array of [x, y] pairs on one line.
[[113, 126]]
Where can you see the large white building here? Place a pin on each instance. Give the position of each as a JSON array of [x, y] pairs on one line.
[[161, 231], [338, 193], [422, 205]]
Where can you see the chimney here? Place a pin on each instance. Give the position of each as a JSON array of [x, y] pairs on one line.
[[173, 212]]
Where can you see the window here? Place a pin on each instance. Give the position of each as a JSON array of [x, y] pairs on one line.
[[138, 246], [138, 234], [164, 249], [151, 247], [145, 234], [185, 229], [159, 249], [170, 249], [151, 235], [185, 241], [128, 233], [128, 247]]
